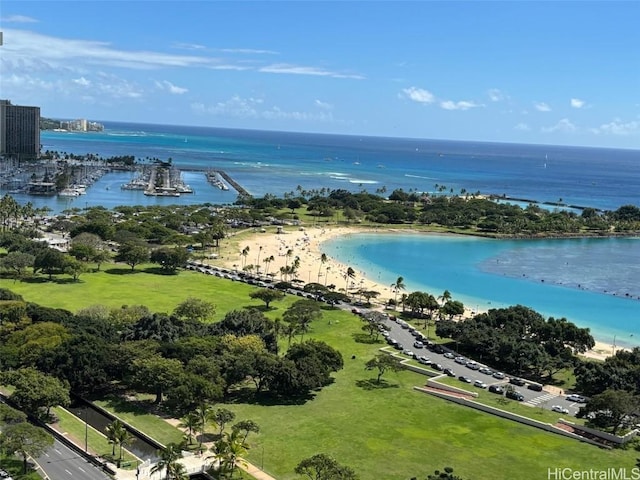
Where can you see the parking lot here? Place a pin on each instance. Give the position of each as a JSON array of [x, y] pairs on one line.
[[408, 340]]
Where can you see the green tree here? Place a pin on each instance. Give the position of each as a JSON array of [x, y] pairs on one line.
[[132, 253], [34, 390], [195, 309], [156, 374], [397, 287], [612, 409], [324, 467], [222, 417], [113, 434], [227, 450], [25, 440], [383, 362], [191, 423], [323, 259], [49, 261], [267, 295], [168, 461], [301, 314], [18, 262], [446, 474], [169, 259], [245, 427], [350, 274]]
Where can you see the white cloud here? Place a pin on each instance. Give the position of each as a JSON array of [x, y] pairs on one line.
[[323, 105], [28, 50], [248, 51], [618, 127], [495, 95], [461, 105], [81, 81], [523, 127], [239, 107], [564, 126], [301, 70], [188, 46], [577, 103], [171, 88], [542, 107], [419, 95], [18, 19]]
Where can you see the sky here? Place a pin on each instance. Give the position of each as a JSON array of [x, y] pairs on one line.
[[543, 72]]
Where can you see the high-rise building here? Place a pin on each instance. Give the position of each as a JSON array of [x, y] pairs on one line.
[[19, 130]]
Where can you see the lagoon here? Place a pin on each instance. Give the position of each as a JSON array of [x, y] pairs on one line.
[[592, 282]]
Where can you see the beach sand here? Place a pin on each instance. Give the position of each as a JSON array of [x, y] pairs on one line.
[[305, 244]]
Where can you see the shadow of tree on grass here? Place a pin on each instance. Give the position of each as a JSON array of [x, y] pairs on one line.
[[365, 338], [373, 384]]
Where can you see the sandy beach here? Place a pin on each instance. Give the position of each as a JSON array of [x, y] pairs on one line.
[[305, 245]]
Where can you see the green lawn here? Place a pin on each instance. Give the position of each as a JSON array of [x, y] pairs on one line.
[[383, 432], [117, 285], [152, 425]]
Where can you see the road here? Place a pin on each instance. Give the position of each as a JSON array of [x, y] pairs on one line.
[[533, 398], [60, 463]]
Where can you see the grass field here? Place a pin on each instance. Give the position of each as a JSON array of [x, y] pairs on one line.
[[383, 432]]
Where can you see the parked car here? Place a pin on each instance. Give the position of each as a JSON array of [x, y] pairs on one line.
[[517, 381], [418, 344], [437, 366], [449, 372], [406, 351], [479, 384], [486, 371], [576, 398], [498, 375], [424, 360], [560, 409], [461, 360], [496, 389], [464, 379], [449, 355], [536, 387], [473, 366], [514, 395]]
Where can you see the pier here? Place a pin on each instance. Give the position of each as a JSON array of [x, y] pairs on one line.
[[214, 177]]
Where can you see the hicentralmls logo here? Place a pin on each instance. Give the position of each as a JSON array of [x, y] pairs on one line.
[[593, 474]]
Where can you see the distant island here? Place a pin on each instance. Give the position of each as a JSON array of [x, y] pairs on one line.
[[79, 125]]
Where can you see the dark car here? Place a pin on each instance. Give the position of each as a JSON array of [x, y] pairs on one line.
[[437, 366], [449, 372], [517, 381], [536, 387], [464, 379], [496, 389], [514, 395]]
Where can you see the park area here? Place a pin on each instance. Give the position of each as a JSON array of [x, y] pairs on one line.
[[385, 430]]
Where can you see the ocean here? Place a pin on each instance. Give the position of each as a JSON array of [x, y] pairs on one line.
[[593, 282]]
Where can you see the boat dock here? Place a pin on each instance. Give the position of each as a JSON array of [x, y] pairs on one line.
[[218, 177]]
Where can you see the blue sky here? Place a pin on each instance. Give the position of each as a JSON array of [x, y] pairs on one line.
[[533, 72]]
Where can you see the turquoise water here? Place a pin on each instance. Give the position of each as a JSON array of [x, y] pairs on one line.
[[585, 281]]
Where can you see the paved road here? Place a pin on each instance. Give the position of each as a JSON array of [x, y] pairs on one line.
[[62, 463], [542, 399]]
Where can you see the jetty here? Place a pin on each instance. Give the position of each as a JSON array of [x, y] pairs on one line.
[[236, 186]]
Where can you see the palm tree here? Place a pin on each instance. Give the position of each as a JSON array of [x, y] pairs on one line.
[[258, 260], [124, 440], [445, 297], [287, 256], [323, 260], [349, 275], [227, 450], [113, 433], [268, 261], [399, 285], [192, 423], [205, 415], [168, 460], [244, 253]]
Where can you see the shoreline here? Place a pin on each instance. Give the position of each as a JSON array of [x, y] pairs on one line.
[[305, 245]]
